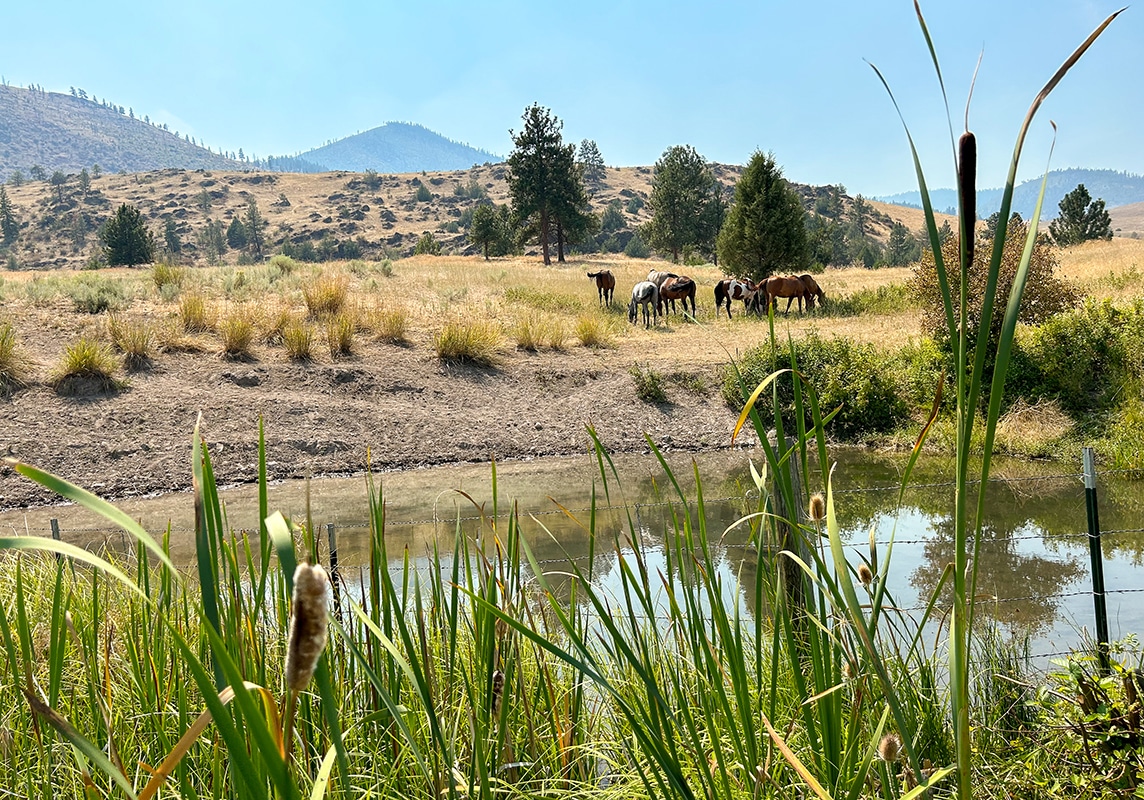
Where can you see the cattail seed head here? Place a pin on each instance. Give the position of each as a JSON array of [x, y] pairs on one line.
[[865, 574], [890, 748], [497, 692], [967, 187], [817, 507], [308, 625]]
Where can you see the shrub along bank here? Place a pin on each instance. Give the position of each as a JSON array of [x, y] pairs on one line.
[[1087, 362]]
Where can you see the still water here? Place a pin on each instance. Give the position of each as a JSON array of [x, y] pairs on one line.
[[1034, 575]]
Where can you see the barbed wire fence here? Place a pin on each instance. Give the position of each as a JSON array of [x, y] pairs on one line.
[[108, 537]]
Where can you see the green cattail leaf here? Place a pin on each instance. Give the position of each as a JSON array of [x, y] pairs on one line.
[[71, 551], [89, 501]]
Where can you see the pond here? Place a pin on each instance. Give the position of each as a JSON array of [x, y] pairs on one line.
[[1034, 578]]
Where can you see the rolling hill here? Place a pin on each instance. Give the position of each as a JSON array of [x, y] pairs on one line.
[[57, 131], [397, 147]]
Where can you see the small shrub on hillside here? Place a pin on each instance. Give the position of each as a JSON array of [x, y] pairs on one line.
[[649, 384], [340, 334], [844, 373], [423, 195], [15, 366], [164, 275], [298, 339], [87, 367], [94, 295], [283, 264], [476, 342], [427, 245], [196, 314], [237, 334], [326, 294], [132, 337]]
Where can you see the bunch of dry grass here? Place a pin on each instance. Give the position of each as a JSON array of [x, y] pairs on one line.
[[15, 366], [476, 342], [87, 367], [164, 275], [326, 294], [196, 313], [1033, 429], [272, 323], [237, 333], [298, 339], [592, 330], [133, 337], [340, 330], [534, 330], [389, 325]]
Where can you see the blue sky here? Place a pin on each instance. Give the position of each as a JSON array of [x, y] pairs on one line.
[[637, 77]]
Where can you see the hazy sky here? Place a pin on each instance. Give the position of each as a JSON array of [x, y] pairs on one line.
[[637, 77]]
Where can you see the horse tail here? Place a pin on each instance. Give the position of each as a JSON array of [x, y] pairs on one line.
[[593, 274]]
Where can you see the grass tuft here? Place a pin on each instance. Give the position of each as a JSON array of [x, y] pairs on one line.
[[168, 275], [340, 334], [87, 367], [390, 325], [132, 337], [326, 294], [298, 339], [237, 334], [196, 314], [15, 366], [649, 384], [473, 342], [594, 331]]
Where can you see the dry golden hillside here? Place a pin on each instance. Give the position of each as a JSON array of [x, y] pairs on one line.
[[379, 215]]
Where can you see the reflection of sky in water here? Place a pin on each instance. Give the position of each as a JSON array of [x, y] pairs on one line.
[[1031, 549]]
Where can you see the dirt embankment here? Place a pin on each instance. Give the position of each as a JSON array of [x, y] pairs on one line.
[[391, 407]]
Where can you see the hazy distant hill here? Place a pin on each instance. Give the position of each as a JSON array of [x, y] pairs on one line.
[[1115, 188], [61, 132], [395, 147]]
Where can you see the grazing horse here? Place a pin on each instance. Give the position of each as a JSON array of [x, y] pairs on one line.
[[730, 289], [658, 278], [791, 288], [644, 293], [605, 285], [813, 290], [680, 288]]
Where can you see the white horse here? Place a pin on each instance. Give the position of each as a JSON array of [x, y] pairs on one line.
[[644, 293]]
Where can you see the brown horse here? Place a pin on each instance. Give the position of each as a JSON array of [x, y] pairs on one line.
[[730, 289], [605, 285], [813, 290], [677, 288], [791, 288]]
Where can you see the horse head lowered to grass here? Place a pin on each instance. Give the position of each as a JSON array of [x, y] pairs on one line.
[[646, 294]]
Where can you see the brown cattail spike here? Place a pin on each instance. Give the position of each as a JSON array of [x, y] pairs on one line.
[[308, 625], [967, 186], [497, 692], [865, 574]]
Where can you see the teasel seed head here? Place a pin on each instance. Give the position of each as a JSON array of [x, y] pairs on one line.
[[865, 574], [308, 625], [890, 748], [817, 507]]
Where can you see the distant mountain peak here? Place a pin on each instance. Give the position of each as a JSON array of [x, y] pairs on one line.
[[395, 147]]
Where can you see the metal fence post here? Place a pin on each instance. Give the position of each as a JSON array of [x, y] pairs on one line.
[[56, 534], [1097, 559]]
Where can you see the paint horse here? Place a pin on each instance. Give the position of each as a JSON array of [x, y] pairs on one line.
[[605, 285], [646, 294], [730, 289], [679, 288]]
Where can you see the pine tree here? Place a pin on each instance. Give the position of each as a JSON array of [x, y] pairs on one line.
[[686, 203], [592, 167], [1081, 219], [765, 229], [9, 227], [171, 238], [255, 226], [483, 230], [126, 240], [543, 181], [236, 234]]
